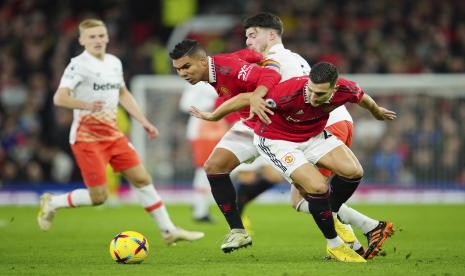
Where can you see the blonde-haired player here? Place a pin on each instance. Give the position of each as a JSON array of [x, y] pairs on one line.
[[93, 86]]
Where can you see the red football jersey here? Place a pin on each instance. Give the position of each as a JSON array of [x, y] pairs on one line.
[[231, 118], [230, 76], [246, 54], [296, 120]]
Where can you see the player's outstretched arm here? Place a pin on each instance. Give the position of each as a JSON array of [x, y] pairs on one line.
[[128, 102], [234, 104], [63, 98], [378, 112]]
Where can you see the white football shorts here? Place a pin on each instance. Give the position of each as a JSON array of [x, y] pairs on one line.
[[287, 156], [239, 141]]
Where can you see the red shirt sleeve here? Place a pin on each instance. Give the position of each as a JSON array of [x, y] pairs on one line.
[[262, 76], [351, 89], [357, 93], [248, 55], [242, 76]]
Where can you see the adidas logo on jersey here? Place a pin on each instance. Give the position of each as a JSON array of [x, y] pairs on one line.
[[300, 112], [106, 86]]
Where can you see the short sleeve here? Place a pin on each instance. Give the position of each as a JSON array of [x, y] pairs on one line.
[[123, 83], [357, 94], [71, 77]]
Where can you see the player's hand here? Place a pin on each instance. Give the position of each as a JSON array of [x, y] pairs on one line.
[[384, 114], [259, 107], [95, 106], [151, 130], [207, 116]]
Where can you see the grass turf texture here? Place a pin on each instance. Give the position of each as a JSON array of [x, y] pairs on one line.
[[429, 240]]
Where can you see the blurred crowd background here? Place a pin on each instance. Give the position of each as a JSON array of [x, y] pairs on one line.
[[38, 38]]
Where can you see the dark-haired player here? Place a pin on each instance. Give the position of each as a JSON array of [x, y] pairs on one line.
[[295, 141], [229, 74], [264, 34]]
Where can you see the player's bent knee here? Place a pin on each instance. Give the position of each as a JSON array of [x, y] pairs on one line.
[[359, 172], [319, 190], [356, 173], [352, 172], [212, 167], [314, 189], [141, 181]]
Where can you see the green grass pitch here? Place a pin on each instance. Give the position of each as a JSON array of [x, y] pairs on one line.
[[429, 240]]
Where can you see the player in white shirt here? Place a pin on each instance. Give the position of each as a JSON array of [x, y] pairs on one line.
[[93, 86]]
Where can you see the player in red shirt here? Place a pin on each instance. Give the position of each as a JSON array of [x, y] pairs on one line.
[[230, 75], [295, 141]]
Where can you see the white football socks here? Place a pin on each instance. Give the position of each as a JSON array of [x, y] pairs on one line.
[[347, 216], [151, 201], [357, 219], [302, 206], [357, 244], [76, 198], [202, 195]]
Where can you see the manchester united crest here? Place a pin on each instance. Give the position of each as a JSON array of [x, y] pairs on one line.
[[224, 90], [289, 159]]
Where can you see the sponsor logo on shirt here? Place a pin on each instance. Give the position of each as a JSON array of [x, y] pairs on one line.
[[300, 112], [294, 120], [106, 86], [244, 72]]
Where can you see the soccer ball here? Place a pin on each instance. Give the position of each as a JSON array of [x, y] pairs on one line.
[[129, 247]]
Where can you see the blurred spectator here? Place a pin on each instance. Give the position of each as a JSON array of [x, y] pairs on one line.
[[387, 161], [362, 36]]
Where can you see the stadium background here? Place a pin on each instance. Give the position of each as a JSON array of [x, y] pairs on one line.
[[424, 149]]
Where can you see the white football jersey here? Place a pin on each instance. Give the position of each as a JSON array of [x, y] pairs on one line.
[[290, 65], [91, 79], [201, 95], [286, 62]]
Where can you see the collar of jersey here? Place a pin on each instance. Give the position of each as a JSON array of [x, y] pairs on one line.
[[89, 55], [306, 94], [211, 71], [276, 48]]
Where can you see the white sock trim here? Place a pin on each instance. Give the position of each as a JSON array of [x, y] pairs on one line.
[[302, 206], [153, 204]]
